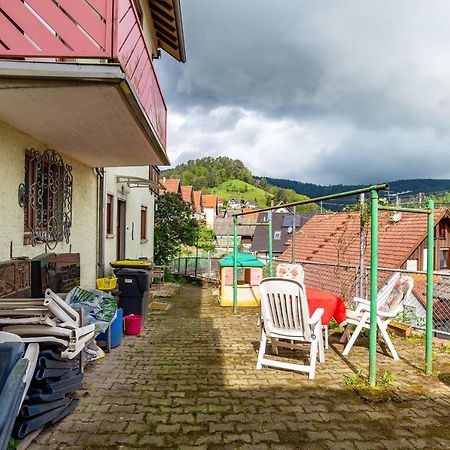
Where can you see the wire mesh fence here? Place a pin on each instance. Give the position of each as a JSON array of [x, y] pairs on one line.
[[348, 281], [204, 267]]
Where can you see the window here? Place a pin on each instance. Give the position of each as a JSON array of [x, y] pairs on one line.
[[143, 223], [46, 197], [412, 264], [109, 213], [442, 229], [443, 258], [277, 235], [153, 175]]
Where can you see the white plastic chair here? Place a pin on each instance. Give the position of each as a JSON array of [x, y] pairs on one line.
[[285, 316], [389, 305], [297, 273]]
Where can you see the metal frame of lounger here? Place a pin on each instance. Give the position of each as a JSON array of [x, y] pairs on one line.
[[60, 308], [31, 354], [70, 353], [38, 320]]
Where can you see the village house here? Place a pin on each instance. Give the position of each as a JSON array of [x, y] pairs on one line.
[[328, 247], [83, 127], [224, 232], [282, 229], [198, 205], [172, 185], [210, 209], [187, 193]]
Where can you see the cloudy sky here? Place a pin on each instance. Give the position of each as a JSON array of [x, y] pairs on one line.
[[320, 91]]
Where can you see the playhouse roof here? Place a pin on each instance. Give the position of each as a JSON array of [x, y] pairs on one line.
[[243, 260]]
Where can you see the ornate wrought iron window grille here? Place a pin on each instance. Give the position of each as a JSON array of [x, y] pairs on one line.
[[46, 196]]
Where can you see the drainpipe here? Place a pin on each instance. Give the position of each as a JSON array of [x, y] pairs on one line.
[[101, 221]]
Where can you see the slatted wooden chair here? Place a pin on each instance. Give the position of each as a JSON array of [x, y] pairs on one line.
[[285, 317]]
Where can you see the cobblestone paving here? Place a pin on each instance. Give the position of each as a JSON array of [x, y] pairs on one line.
[[189, 381]]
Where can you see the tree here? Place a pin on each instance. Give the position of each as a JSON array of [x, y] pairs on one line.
[[205, 238], [174, 227]]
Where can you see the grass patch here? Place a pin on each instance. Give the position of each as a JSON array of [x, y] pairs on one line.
[[240, 190], [382, 392]]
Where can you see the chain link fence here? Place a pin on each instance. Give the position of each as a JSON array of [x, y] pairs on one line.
[[349, 282], [203, 267]]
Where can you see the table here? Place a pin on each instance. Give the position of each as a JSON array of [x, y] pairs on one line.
[[333, 305]]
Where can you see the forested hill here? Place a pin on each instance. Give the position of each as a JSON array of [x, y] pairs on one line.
[[230, 179], [411, 187], [210, 172]]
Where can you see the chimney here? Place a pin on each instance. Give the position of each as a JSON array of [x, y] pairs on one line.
[[164, 179], [272, 203]]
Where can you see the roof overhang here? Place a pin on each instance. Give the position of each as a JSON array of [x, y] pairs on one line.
[[168, 24], [90, 112]]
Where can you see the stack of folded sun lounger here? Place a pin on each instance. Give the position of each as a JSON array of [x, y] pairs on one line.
[[37, 385], [48, 321], [50, 395], [16, 371]]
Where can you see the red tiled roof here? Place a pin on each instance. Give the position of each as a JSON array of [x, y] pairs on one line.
[[441, 304], [198, 201], [171, 184], [251, 215], [334, 237], [186, 193], [209, 201]]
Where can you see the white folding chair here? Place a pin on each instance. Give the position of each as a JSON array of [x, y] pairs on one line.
[[297, 273], [285, 317], [389, 305]]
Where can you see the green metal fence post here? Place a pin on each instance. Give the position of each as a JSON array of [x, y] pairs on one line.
[[269, 215], [430, 268], [373, 289], [235, 268]]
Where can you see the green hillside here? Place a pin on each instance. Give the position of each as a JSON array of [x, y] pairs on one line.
[[240, 190], [230, 179]]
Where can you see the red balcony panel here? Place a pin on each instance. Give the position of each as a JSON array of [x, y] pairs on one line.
[[74, 29], [108, 29], [135, 58]]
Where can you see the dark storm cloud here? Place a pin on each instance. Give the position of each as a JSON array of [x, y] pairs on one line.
[[326, 86]]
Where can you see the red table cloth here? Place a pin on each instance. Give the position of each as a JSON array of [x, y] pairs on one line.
[[333, 305]]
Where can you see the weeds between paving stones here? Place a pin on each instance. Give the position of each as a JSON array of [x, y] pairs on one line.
[[383, 392]]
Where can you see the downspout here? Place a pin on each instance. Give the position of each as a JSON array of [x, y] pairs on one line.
[[101, 221]]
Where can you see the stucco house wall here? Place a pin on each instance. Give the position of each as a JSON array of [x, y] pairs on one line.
[[135, 198], [83, 239]]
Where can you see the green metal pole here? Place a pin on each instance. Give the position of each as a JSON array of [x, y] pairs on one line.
[[430, 268], [377, 187], [269, 215], [235, 268], [373, 289]]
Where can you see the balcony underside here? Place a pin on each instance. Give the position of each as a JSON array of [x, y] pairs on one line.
[[89, 112]]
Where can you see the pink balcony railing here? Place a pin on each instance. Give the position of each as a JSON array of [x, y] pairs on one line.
[[76, 29]]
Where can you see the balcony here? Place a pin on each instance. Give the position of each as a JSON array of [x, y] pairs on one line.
[[78, 75]]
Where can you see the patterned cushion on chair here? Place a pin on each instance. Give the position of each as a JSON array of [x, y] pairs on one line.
[[397, 294], [291, 271]]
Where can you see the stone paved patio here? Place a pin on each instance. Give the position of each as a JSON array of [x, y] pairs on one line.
[[189, 381]]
